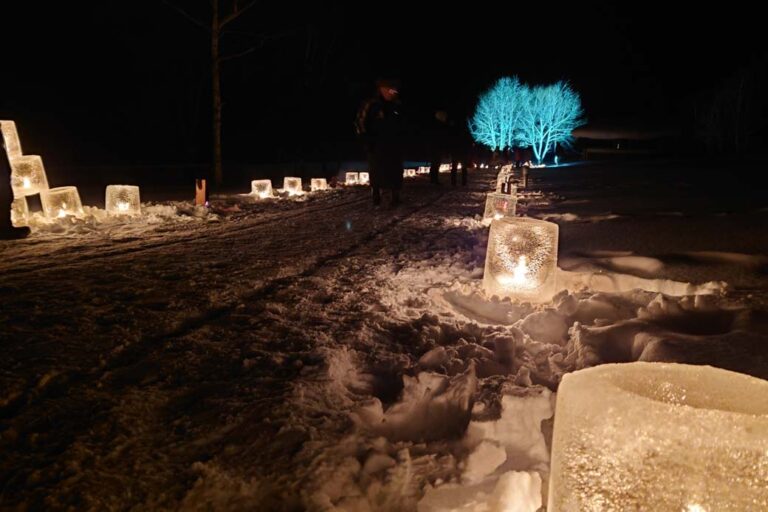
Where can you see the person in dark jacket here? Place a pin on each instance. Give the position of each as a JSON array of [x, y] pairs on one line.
[[7, 230], [380, 124]]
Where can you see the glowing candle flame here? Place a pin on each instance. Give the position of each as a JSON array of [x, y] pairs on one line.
[[694, 507], [520, 272], [122, 206], [27, 183]]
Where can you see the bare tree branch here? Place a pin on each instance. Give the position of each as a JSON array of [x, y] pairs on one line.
[[188, 16], [237, 13]]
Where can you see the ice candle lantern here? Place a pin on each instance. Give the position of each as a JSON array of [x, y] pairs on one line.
[[444, 168], [261, 188], [424, 169], [498, 205], [61, 202], [123, 200], [352, 178], [318, 184], [292, 186], [521, 260], [10, 139], [364, 178], [659, 436], [28, 175], [505, 176], [409, 173], [19, 212]]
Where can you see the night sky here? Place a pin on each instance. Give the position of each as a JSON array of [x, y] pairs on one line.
[[128, 81]]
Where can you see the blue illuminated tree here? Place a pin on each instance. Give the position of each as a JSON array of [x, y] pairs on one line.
[[549, 115], [498, 110]]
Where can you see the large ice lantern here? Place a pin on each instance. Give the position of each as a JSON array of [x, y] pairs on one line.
[[123, 200], [261, 188], [61, 202], [364, 178], [499, 205], [28, 175], [10, 139], [292, 186], [521, 261], [318, 184], [661, 437]]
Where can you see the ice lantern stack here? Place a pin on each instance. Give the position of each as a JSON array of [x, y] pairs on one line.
[[521, 260], [661, 437], [27, 172], [123, 200]]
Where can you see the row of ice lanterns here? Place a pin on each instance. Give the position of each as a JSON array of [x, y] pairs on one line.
[[521, 259], [293, 186], [28, 178], [661, 437]]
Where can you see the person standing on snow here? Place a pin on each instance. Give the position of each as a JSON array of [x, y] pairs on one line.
[[379, 123]]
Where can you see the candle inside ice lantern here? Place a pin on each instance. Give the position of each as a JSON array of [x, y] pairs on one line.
[[123, 206], [63, 211], [27, 183]]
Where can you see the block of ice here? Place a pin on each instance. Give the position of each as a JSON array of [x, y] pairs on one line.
[[521, 260], [504, 175], [498, 205], [28, 175], [261, 188], [352, 178], [292, 186], [444, 168], [364, 178], [61, 202], [661, 437], [122, 200], [10, 139], [19, 212], [409, 173], [318, 184]]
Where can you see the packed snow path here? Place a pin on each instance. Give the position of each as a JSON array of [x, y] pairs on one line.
[[320, 354]]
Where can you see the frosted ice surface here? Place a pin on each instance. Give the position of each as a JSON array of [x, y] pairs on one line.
[[10, 139], [498, 205], [261, 188], [61, 202], [352, 178], [19, 212], [318, 184], [521, 260], [123, 200], [28, 175], [661, 437], [292, 186]]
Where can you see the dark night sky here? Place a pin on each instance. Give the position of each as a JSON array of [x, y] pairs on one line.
[[128, 81]]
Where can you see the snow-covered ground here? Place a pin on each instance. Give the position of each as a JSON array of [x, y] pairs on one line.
[[316, 354]]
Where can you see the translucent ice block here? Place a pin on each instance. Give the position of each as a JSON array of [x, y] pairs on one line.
[[499, 205], [352, 178], [521, 260], [660, 437], [364, 178], [10, 139], [409, 173], [261, 188], [61, 202], [28, 175], [292, 186], [123, 200], [19, 212], [318, 184]]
